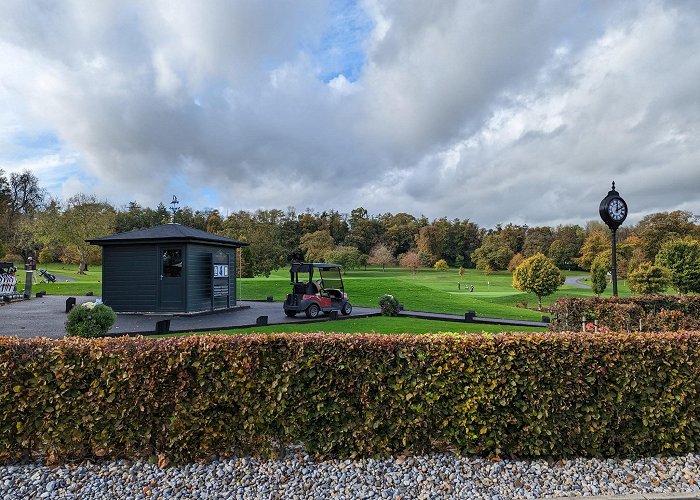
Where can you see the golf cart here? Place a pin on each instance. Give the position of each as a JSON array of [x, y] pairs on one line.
[[324, 294]]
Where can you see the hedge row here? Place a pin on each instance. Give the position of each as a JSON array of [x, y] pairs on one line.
[[656, 313], [185, 399]]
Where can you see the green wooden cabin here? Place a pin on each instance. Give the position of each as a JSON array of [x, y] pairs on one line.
[[168, 268]]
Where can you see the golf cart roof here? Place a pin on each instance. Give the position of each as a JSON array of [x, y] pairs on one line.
[[305, 267]]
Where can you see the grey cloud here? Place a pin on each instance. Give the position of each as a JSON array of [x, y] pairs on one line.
[[496, 111]]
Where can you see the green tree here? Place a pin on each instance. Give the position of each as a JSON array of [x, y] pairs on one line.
[[316, 245], [538, 275], [566, 246], [82, 218], [262, 231], [463, 238], [85, 218], [597, 241], [348, 257], [131, 217], [245, 260], [431, 241], [400, 231], [336, 224], [656, 229], [4, 206], [493, 254], [441, 265], [365, 232], [682, 259], [537, 240], [648, 278], [599, 274], [191, 218], [20, 197]]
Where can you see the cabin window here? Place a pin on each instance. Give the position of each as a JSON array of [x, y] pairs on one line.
[[172, 263]]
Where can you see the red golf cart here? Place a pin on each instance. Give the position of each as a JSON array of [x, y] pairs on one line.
[[313, 295]]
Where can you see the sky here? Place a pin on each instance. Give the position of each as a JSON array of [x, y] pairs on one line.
[[494, 111]]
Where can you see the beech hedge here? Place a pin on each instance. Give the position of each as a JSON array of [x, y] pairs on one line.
[[656, 312], [191, 398]]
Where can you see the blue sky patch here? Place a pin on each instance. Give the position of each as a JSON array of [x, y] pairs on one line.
[[341, 49], [32, 145]]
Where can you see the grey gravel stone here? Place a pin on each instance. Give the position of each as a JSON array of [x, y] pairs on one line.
[[296, 475]]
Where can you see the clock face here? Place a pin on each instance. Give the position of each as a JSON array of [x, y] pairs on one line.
[[617, 209]]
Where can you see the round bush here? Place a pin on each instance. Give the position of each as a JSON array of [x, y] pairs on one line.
[[389, 305], [89, 320]]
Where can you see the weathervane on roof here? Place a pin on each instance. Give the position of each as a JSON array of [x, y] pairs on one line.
[[174, 204]]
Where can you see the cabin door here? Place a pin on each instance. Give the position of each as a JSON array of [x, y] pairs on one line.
[[172, 279]]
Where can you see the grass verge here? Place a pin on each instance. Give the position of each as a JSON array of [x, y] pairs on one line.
[[383, 325]]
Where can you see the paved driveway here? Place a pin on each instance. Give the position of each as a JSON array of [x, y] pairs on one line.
[[574, 281], [45, 317]]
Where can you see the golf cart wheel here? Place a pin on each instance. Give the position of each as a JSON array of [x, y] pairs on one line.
[[312, 311], [347, 309], [289, 313]]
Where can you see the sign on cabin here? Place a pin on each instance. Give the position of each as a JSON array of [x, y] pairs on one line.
[[221, 270], [220, 276]]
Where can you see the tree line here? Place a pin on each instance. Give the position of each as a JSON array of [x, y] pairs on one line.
[[35, 224]]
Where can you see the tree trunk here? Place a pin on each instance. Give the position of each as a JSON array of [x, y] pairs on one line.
[[539, 303], [83, 263]]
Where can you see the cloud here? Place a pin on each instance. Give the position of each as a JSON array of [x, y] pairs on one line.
[[493, 111]]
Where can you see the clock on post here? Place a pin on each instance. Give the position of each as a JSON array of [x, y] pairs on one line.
[[613, 211]]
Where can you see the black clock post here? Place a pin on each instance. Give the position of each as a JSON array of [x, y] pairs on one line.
[[613, 211]]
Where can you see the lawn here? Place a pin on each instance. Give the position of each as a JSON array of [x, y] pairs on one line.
[[91, 281], [383, 325], [429, 290], [426, 290]]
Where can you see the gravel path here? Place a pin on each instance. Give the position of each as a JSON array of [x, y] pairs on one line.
[[298, 476]]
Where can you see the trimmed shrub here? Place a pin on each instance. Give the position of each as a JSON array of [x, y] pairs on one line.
[[90, 320], [656, 312], [389, 305], [190, 398]]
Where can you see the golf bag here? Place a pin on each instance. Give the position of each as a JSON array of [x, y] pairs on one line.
[[48, 277]]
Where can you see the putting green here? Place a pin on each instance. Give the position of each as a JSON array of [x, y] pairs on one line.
[[498, 293]]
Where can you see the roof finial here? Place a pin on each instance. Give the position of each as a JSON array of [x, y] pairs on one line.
[[613, 186], [174, 205]]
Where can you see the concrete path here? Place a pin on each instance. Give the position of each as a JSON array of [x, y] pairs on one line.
[[46, 316], [473, 319], [64, 278], [36, 317], [574, 281]]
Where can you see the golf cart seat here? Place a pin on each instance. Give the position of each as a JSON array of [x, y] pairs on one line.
[[305, 289]]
